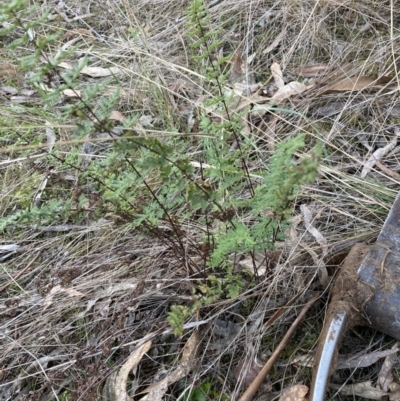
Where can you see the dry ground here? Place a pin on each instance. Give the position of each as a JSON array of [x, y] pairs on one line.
[[81, 295]]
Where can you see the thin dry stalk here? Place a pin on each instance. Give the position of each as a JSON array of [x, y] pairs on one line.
[[252, 389]]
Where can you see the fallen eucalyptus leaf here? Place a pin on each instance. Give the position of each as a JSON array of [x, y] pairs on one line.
[[157, 391], [363, 361], [116, 384], [365, 390], [355, 84], [94, 72]]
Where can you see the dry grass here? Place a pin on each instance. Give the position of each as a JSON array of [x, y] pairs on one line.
[[77, 299]]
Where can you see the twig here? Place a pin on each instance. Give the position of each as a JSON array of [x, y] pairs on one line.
[[282, 309], [252, 389], [19, 274], [388, 171], [383, 261]]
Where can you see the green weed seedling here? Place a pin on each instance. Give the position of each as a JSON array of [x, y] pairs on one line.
[[204, 206]]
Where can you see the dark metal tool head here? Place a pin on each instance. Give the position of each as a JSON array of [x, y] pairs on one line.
[[366, 292], [381, 270]]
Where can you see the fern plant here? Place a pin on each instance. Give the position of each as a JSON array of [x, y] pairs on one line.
[[268, 201], [152, 184]]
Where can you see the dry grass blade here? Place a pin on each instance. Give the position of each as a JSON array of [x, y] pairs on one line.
[[275, 42], [364, 390], [364, 361], [312, 70], [355, 84], [322, 271], [20, 273], [380, 153], [353, 362], [388, 171], [95, 72], [280, 311], [252, 389], [247, 370], [60, 344]]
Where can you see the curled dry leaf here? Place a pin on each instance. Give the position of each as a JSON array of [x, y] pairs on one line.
[[248, 89], [237, 68], [341, 72], [190, 349], [269, 129], [39, 192], [115, 387], [242, 79], [294, 393], [283, 93], [157, 391], [50, 136], [117, 116], [122, 377], [257, 267]]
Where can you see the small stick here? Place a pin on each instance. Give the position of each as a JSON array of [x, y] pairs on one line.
[[255, 385], [384, 260], [18, 275]]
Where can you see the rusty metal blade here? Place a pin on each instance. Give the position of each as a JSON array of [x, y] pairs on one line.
[[381, 270], [373, 289]]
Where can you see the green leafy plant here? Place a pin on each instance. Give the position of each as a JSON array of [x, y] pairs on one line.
[[269, 200], [154, 183], [205, 391]]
